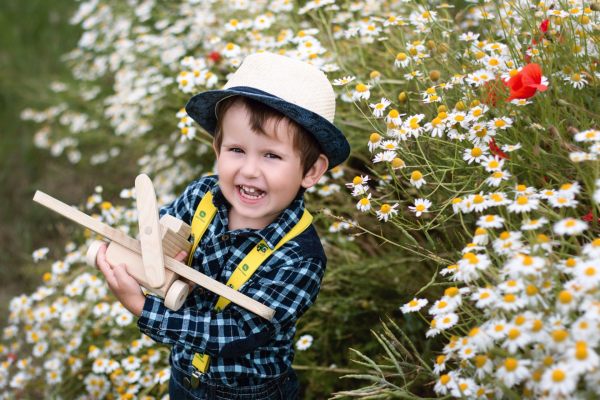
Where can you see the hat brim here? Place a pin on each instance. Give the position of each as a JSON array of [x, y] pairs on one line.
[[201, 108]]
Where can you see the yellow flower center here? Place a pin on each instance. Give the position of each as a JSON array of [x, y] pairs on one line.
[[558, 376], [394, 114], [401, 56], [511, 364], [522, 200], [478, 199], [531, 290], [416, 176], [509, 298], [420, 207], [361, 88], [413, 303], [385, 208], [499, 123], [397, 162], [476, 152], [575, 77], [375, 138], [560, 335], [565, 297], [444, 379], [364, 201]]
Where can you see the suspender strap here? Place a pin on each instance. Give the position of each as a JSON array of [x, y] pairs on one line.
[[202, 218], [204, 214]]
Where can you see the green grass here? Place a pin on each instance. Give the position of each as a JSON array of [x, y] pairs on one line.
[[33, 36]]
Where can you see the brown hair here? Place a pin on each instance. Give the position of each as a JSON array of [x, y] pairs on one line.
[[304, 143]]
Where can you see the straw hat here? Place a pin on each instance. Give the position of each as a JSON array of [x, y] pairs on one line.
[[295, 88]]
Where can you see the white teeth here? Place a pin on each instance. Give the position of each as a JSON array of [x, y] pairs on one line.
[[244, 189]]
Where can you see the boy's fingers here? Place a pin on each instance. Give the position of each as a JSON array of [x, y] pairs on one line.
[[107, 271], [121, 273], [181, 256]]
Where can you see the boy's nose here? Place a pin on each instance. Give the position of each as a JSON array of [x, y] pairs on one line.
[[250, 168]]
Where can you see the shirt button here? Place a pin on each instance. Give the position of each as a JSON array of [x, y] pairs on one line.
[[225, 237], [199, 291], [147, 331]]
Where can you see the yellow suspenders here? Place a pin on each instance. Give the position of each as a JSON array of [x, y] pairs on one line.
[[202, 218]]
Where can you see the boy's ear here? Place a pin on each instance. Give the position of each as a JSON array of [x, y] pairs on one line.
[[315, 172], [215, 149]]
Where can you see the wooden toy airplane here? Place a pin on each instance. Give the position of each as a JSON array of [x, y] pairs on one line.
[[150, 260]]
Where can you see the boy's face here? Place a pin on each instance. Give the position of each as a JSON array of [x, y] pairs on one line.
[[259, 174]]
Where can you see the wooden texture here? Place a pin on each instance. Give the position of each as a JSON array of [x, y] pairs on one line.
[[176, 225], [176, 295], [150, 231], [170, 264]]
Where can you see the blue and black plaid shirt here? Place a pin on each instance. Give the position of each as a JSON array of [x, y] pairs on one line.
[[244, 348]]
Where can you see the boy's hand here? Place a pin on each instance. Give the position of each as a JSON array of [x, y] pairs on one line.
[[124, 287]]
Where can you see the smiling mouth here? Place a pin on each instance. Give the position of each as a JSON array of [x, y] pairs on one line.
[[251, 193]]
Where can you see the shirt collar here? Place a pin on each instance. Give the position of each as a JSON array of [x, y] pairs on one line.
[[272, 233]]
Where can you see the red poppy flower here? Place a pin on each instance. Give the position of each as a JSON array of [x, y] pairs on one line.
[[496, 150], [590, 216], [215, 56], [526, 82]]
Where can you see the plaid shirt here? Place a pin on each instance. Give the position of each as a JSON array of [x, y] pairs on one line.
[[244, 348]]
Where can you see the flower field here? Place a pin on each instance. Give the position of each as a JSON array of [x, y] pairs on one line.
[[467, 212]]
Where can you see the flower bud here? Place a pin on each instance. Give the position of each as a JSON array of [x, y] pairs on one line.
[[434, 75], [402, 97], [442, 109]]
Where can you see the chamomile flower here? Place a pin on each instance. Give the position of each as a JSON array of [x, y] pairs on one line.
[[387, 156], [590, 135], [476, 154], [361, 92], [412, 75], [394, 117], [559, 379], [386, 212], [562, 201], [497, 177], [480, 135], [380, 107], [570, 226], [374, 141], [507, 148], [421, 206], [500, 123], [402, 60], [469, 36], [304, 342], [576, 80], [364, 204], [510, 302], [523, 204], [533, 224], [569, 189], [513, 371], [414, 305], [344, 81], [446, 321], [520, 102], [416, 179], [592, 249], [481, 237], [40, 254], [490, 221]]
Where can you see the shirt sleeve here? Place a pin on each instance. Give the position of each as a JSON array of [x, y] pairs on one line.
[[290, 289]]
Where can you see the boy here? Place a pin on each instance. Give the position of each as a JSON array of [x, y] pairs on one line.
[[274, 138]]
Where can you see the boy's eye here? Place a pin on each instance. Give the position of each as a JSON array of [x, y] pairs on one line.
[[236, 150], [271, 155]]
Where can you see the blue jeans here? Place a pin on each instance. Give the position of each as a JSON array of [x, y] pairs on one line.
[[282, 387]]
